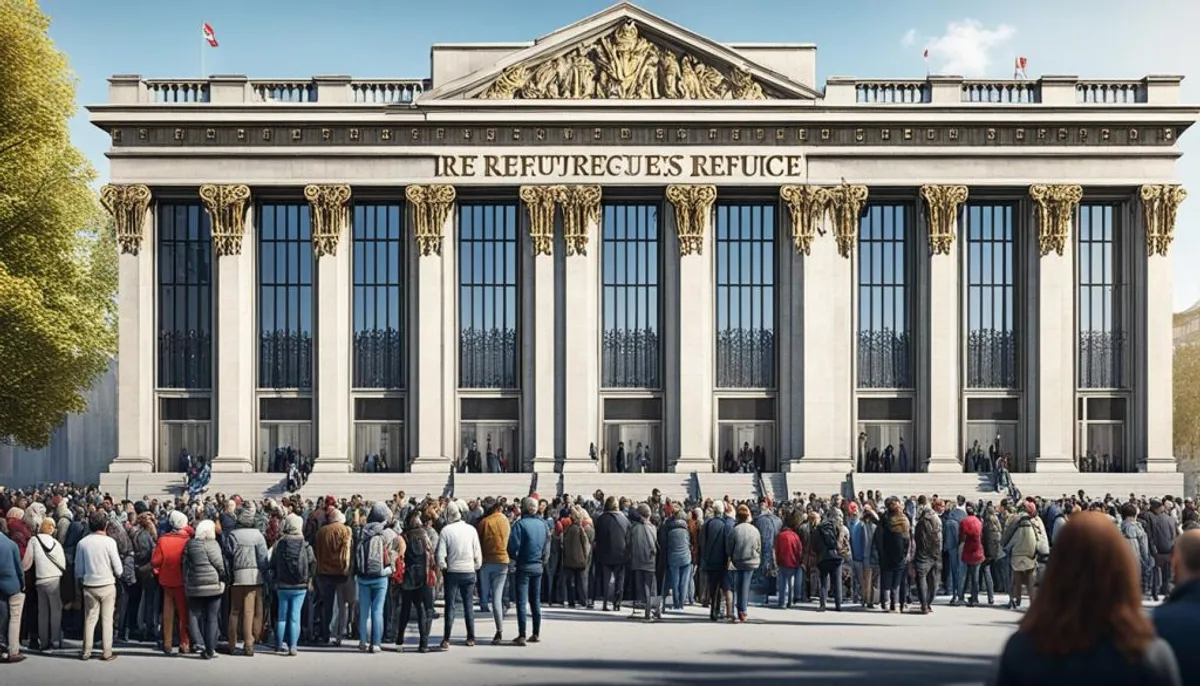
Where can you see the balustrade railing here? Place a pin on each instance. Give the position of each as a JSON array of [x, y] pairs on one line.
[[1110, 92], [284, 91], [892, 91], [1002, 92], [387, 91], [173, 91]]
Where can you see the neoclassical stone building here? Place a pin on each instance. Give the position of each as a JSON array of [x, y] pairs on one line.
[[624, 237]]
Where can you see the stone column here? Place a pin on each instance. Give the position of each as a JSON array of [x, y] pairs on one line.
[[1056, 327], [693, 207], [233, 244], [829, 339], [945, 341], [330, 212], [581, 229], [1159, 206], [128, 206], [434, 371], [537, 422]]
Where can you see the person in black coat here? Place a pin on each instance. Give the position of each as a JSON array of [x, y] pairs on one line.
[[1178, 619], [891, 545], [612, 552]]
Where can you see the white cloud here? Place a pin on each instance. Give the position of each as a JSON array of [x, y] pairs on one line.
[[966, 48]]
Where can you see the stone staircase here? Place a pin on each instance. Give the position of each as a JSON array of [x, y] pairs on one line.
[[717, 485], [945, 485], [379, 486], [135, 485], [469, 486], [673, 485], [774, 485], [824, 484], [1055, 485]]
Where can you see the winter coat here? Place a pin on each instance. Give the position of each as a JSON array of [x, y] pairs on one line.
[[292, 553], [167, 558], [970, 535], [577, 541], [745, 547], [991, 538], [677, 543], [1161, 534], [12, 576], [203, 569], [892, 541], [248, 560], [528, 541], [333, 550], [928, 536], [950, 529], [768, 525], [787, 549], [1178, 622], [643, 546], [869, 525], [714, 552], [828, 532], [612, 545]]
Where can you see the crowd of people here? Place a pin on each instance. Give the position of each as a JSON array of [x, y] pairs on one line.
[[216, 574]]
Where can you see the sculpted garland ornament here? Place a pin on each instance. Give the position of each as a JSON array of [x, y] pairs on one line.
[[226, 206], [623, 65], [430, 207], [330, 207], [539, 201], [693, 212], [808, 206], [845, 207], [1056, 210], [941, 204], [1159, 206], [127, 205], [581, 209]]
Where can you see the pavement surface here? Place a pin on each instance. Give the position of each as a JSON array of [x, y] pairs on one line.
[[952, 645]]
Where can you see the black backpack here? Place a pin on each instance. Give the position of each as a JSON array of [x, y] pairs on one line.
[[292, 572]]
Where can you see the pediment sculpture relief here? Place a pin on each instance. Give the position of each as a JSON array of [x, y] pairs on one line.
[[623, 65]]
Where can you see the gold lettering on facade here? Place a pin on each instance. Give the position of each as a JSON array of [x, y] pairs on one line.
[[886, 134], [329, 208], [1055, 210], [808, 206], [430, 207], [127, 204], [580, 210], [144, 134], [539, 202], [226, 206], [693, 211], [780, 134], [991, 134], [669, 166], [1160, 204], [516, 134], [845, 208], [623, 65], [941, 209]]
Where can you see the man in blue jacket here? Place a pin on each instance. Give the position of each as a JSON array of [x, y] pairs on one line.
[[12, 600], [529, 550], [1178, 619], [956, 577], [714, 560]]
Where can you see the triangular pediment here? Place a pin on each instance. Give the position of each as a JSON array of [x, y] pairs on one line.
[[623, 53]]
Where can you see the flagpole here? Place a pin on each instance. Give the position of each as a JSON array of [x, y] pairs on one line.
[[202, 51]]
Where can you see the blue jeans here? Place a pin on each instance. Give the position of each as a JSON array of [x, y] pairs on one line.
[[678, 577], [787, 585], [956, 578], [371, 594], [461, 584], [529, 590], [491, 590], [741, 589], [287, 628]]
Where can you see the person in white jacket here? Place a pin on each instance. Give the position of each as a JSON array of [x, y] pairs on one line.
[[46, 557], [459, 556]]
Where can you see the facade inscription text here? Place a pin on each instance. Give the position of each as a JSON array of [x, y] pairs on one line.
[[616, 166]]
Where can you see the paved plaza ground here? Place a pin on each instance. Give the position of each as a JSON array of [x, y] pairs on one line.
[[953, 645]]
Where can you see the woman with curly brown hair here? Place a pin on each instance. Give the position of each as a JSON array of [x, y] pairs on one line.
[[1087, 624]]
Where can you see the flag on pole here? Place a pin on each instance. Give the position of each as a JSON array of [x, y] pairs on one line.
[[925, 56], [1022, 62], [210, 35]]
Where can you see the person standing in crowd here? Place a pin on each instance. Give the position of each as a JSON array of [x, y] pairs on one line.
[[1161, 533], [417, 584], [578, 540], [768, 524], [643, 550], [98, 566], [334, 542], [12, 599], [678, 554], [144, 537], [293, 565], [892, 544], [955, 578], [247, 552], [745, 552], [372, 568], [167, 562], [1087, 625], [830, 558], [45, 556], [714, 559], [493, 575], [1177, 620], [612, 553], [788, 553], [992, 551], [1024, 539], [459, 556], [528, 548], [970, 551], [928, 555], [204, 584]]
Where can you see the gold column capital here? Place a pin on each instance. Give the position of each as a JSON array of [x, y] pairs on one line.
[[581, 209], [539, 202], [127, 204], [941, 205], [693, 212], [1056, 210], [226, 205], [1160, 203], [430, 207], [807, 206], [329, 207], [845, 206]]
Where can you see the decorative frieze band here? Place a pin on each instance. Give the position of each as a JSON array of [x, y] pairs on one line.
[[845, 208], [226, 206], [330, 211], [430, 207], [808, 206], [127, 204], [693, 213], [941, 206], [1056, 210], [1160, 203]]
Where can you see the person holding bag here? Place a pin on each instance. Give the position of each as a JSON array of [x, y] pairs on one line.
[[49, 562]]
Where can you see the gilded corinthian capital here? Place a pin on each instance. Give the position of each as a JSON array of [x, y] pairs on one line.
[[127, 205], [941, 208], [1056, 210], [539, 202], [330, 210], [1159, 206], [807, 206], [430, 207], [846, 206], [226, 206], [581, 209], [693, 213]]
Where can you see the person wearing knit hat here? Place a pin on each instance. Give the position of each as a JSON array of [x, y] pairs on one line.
[[177, 520]]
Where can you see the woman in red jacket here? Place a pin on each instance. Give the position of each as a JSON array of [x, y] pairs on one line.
[[787, 559], [970, 543], [167, 561]]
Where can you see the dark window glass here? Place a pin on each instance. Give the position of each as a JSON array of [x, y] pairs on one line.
[[186, 409], [991, 321], [630, 275], [993, 409], [285, 409], [488, 248], [184, 297], [746, 409], [490, 409], [1101, 298], [745, 295], [285, 307], [885, 409], [632, 409], [379, 296], [379, 409], [884, 326], [1106, 409]]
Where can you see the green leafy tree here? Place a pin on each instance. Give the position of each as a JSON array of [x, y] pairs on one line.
[[57, 254], [1187, 401]]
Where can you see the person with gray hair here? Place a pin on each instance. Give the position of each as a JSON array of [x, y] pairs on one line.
[[714, 560], [529, 549], [459, 556], [643, 551]]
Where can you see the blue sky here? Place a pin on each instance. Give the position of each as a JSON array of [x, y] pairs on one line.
[[866, 38]]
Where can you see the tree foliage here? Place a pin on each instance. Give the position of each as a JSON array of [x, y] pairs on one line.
[[1187, 400], [57, 254]]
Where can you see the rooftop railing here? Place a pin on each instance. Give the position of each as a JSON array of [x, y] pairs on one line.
[[237, 89]]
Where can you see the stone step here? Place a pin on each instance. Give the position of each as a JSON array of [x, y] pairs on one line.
[[135, 486], [824, 484], [673, 485], [775, 486], [380, 486], [469, 486], [717, 485], [1055, 485], [944, 485]]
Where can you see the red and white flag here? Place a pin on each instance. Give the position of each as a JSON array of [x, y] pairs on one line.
[[926, 53], [1019, 65], [210, 35]]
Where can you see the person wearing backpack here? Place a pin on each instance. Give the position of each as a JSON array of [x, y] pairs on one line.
[[372, 567], [1025, 539], [417, 582], [291, 570]]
